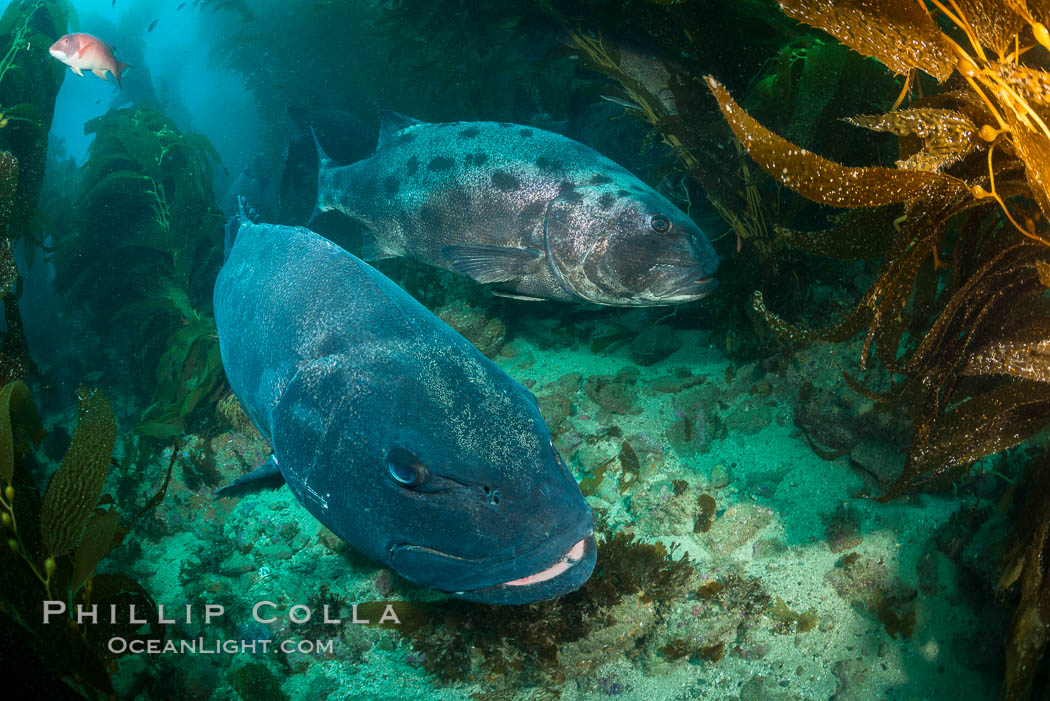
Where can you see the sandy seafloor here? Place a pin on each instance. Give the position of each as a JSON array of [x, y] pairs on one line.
[[775, 498]]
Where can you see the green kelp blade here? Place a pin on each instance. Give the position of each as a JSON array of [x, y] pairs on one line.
[[75, 489], [19, 423], [98, 541], [818, 179]]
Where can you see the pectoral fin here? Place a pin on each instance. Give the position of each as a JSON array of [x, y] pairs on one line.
[[488, 264], [268, 475], [77, 71], [100, 72], [372, 248], [512, 295]]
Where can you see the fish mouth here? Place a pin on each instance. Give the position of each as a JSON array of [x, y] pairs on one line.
[[531, 572], [687, 288], [567, 574], [570, 558]]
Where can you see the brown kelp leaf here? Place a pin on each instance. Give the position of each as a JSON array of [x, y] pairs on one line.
[[857, 233], [842, 331], [994, 24], [122, 592], [825, 181], [96, 544], [1026, 561], [19, 423], [1028, 360], [947, 135], [75, 489], [983, 424], [1043, 269], [899, 33]]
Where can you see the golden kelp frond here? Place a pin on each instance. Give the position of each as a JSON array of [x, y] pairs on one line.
[[1028, 360], [947, 135], [1043, 270], [74, 491], [857, 233], [1030, 84], [989, 422], [19, 424], [899, 33], [992, 22], [1033, 148], [825, 181]]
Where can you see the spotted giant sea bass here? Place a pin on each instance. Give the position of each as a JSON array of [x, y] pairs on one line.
[[531, 212]]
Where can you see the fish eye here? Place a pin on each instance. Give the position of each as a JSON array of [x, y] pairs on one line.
[[660, 224], [405, 468]]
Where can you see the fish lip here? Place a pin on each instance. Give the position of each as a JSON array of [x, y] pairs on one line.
[[565, 581], [693, 285], [572, 532], [572, 557]]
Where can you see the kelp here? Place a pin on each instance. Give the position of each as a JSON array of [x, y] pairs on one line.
[[959, 309], [804, 88], [55, 545], [29, 84], [148, 243]]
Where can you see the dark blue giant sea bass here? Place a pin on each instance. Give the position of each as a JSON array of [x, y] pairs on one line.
[[537, 215], [391, 429]]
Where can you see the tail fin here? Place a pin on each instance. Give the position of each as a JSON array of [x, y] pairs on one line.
[[121, 67], [323, 163]]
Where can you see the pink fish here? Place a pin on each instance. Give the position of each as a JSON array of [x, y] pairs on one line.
[[83, 52]]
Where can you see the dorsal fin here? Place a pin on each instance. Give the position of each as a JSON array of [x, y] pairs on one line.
[[391, 123]]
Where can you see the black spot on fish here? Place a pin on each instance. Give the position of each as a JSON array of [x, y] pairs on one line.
[[502, 180], [567, 192], [600, 179], [505, 124], [391, 185], [525, 133], [547, 165], [622, 193], [440, 163], [605, 201], [469, 133], [412, 165], [431, 216], [477, 158], [533, 210]]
